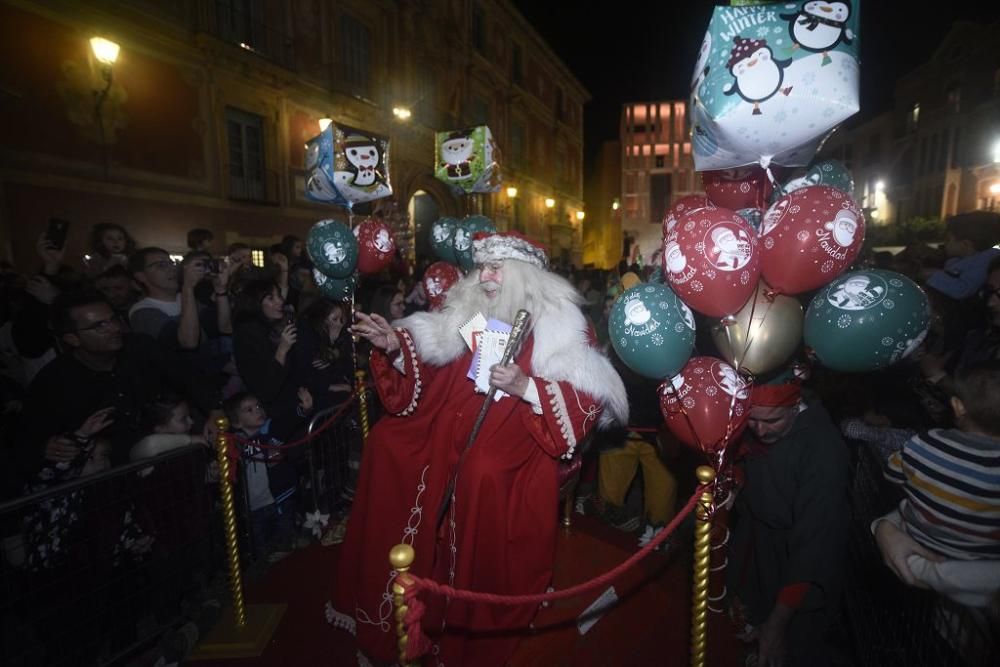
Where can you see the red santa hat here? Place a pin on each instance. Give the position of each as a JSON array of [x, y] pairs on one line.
[[744, 49], [512, 245]]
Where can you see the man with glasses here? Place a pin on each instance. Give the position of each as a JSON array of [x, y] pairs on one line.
[[100, 370], [169, 312]]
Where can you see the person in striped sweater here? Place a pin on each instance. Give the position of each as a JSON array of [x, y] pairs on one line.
[[945, 535]]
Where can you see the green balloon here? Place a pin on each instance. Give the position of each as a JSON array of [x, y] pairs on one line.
[[443, 239], [652, 330], [866, 320], [333, 248], [337, 289], [828, 172], [464, 235]]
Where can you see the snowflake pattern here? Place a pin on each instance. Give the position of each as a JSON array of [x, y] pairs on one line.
[[827, 266], [887, 341], [744, 277], [650, 289], [699, 371], [710, 274], [689, 226], [699, 246], [802, 236], [844, 321], [656, 339], [711, 391], [679, 327], [689, 403], [738, 410], [696, 286], [895, 282], [888, 304], [663, 305], [769, 242]]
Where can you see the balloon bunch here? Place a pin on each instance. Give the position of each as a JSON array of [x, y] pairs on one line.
[[451, 241]]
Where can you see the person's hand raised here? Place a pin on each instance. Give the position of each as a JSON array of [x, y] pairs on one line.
[[376, 331]]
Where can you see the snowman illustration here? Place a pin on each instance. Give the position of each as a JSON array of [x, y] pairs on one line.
[[843, 227], [676, 261], [757, 75], [729, 380], [363, 155], [820, 26], [701, 68], [383, 242], [730, 249], [774, 216], [456, 153], [462, 241], [636, 313], [335, 253], [857, 293]]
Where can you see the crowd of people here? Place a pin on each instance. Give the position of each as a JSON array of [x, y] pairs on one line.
[[125, 354]]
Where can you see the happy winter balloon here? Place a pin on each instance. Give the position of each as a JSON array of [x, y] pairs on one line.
[[682, 206], [468, 160], [464, 235], [443, 239], [704, 403], [866, 320], [809, 237], [651, 330], [347, 166], [437, 280], [332, 248], [771, 81], [712, 261], [739, 188], [375, 246], [337, 289]]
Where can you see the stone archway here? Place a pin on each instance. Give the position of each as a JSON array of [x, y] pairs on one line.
[[429, 200]]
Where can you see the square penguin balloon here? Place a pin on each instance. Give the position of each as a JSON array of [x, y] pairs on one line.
[[347, 166], [772, 81], [468, 160]]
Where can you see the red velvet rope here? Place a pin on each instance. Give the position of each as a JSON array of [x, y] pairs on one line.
[[240, 440], [419, 583]]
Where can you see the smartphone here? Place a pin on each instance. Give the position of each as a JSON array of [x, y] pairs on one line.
[[56, 232]]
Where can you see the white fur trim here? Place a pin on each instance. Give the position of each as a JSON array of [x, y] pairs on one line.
[[500, 247], [562, 416], [562, 348], [408, 341]]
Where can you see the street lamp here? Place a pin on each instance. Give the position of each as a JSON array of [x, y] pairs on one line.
[[402, 113], [615, 205], [512, 192], [550, 202], [879, 186], [106, 53], [580, 215]]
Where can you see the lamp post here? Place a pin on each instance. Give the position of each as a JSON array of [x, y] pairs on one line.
[[106, 53]]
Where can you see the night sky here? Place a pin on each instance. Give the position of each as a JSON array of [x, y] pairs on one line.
[[637, 51]]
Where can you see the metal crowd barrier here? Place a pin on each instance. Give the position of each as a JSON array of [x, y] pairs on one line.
[[894, 624], [97, 568]]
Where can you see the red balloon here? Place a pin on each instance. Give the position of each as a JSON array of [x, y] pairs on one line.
[[809, 237], [743, 187], [704, 403], [376, 246], [712, 261], [438, 279], [682, 206]]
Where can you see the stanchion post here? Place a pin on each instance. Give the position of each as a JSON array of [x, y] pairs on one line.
[[702, 564], [401, 558], [251, 628], [229, 521], [359, 376]]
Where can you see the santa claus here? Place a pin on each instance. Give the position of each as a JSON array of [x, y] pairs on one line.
[[499, 531]]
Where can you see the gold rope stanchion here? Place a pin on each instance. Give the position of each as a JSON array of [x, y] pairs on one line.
[[248, 630], [359, 376], [401, 558], [702, 564]]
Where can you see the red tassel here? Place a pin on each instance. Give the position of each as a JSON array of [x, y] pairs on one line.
[[417, 642]]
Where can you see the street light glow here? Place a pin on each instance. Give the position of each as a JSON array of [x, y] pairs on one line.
[[104, 50], [615, 205], [402, 113], [996, 152], [580, 215], [512, 192], [879, 186], [549, 202]]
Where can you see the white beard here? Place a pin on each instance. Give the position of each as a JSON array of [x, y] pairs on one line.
[[562, 345]]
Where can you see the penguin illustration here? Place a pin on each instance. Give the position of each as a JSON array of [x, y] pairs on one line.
[[820, 26], [758, 76]]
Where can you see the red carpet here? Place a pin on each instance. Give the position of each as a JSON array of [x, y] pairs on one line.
[[649, 626]]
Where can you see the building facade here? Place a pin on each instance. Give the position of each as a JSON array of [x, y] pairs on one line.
[[602, 228], [657, 169], [202, 119], [937, 153]]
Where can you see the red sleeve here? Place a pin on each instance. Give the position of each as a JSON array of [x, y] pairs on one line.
[[791, 595], [567, 416], [400, 392]]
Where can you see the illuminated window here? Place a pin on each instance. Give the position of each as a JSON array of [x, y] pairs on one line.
[[257, 257]]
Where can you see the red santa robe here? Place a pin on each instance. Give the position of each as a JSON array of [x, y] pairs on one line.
[[499, 533]]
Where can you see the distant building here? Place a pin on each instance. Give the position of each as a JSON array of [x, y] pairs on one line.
[[938, 152], [602, 228], [657, 169], [204, 121]]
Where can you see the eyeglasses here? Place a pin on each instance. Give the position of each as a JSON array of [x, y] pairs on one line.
[[103, 326], [161, 265]]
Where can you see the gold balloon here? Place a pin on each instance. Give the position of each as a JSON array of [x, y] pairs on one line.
[[630, 280], [766, 343]]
